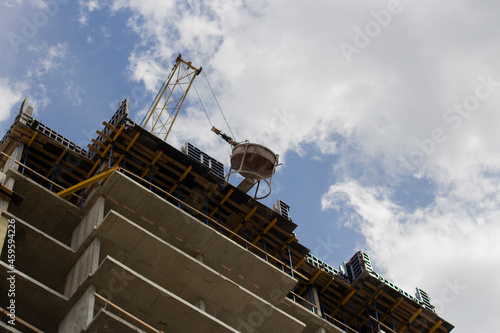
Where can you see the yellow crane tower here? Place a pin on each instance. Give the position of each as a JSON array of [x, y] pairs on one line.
[[168, 102]]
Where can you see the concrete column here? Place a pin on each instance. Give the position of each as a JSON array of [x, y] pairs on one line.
[[320, 330], [86, 265], [16, 155], [9, 183], [315, 300], [80, 315], [18, 151], [92, 219], [199, 257], [200, 303]]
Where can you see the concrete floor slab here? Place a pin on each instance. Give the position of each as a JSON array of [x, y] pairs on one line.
[[148, 301], [36, 304], [44, 209], [43, 257], [181, 274], [192, 236]]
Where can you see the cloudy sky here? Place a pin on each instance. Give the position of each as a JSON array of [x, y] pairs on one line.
[[384, 114]]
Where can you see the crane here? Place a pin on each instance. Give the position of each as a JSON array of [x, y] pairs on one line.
[[168, 102]]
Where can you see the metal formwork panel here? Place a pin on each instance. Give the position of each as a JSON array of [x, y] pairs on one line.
[[208, 161]]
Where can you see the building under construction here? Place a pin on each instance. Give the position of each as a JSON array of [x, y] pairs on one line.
[[134, 235]]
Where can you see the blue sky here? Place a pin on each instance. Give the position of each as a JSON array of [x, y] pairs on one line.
[[384, 113]]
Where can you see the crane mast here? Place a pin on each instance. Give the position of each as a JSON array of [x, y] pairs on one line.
[[166, 106]]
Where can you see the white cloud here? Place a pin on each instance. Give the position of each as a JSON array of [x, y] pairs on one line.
[[41, 99], [452, 241], [12, 3], [106, 33], [86, 7], [50, 58], [10, 95], [39, 4], [74, 93]]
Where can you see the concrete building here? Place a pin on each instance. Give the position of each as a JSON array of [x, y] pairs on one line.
[[164, 244]]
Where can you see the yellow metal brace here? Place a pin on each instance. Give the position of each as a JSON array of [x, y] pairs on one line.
[[32, 139], [30, 143], [183, 176], [115, 137], [393, 307], [157, 157], [128, 147], [249, 215], [435, 327], [266, 229], [344, 301], [87, 182], [412, 318], [231, 190], [327, 285], [288, 241], [299, 263], [120, 130], [311, 281], [57, 162], [377, 294]]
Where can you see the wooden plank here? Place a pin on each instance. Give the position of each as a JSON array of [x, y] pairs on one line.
[[63, 184], [100, 144], [38, 150], [104, 136]]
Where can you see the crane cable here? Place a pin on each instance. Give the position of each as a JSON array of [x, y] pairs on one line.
[[203, 106], [220, 109]]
